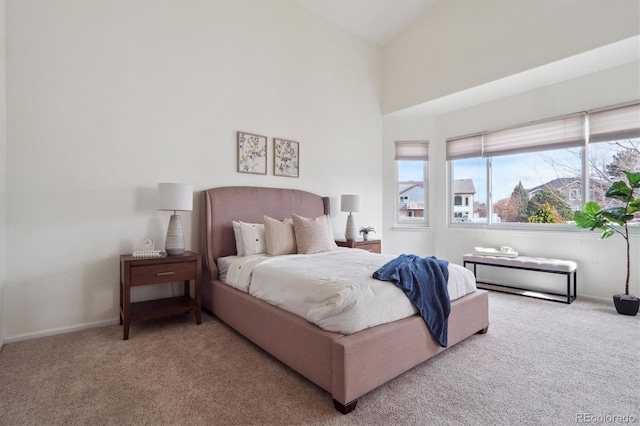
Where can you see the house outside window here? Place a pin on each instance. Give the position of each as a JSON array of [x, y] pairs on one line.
[[412, 182], [463, 188], [574, 194], [535, 173]]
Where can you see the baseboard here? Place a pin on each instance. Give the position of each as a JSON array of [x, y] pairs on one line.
[[596, 299], [1, 343], [60, 330]]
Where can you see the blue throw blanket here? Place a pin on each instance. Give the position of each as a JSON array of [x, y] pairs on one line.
[[424, 281]]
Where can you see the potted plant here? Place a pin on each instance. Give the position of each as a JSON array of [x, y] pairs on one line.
[[365, 230], [609, 221]]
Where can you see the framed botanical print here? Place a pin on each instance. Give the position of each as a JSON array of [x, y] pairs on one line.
[[252, 153], [286, 158]]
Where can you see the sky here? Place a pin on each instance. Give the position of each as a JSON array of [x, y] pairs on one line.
[[532, 169]]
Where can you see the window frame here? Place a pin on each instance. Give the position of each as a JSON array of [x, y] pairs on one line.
[[471, 152], [412, 223]]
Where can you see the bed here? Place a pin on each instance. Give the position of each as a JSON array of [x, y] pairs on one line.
[[346, 366]]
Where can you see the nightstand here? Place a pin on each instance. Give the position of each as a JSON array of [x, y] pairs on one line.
[[374, 246], [139, 271]]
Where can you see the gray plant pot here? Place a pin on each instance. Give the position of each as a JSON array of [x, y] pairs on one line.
[[626, 306]]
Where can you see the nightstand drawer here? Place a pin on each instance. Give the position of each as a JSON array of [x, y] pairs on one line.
[[163, 273], [372, 247]]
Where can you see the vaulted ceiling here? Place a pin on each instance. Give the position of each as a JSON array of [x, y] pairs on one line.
[[375, 20]]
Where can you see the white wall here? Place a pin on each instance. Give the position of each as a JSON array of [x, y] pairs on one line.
[[3, 164], [398, 240], [457, 45], [601, 263], [105, 99], [595, 257]]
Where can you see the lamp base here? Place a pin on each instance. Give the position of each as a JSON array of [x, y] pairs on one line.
[[174, 244], [350, 231]]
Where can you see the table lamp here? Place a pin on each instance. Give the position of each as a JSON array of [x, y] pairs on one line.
[[350, 203], [176, 197]]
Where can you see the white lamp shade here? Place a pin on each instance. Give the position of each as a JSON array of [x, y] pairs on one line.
[[350, 203], [175, 196]]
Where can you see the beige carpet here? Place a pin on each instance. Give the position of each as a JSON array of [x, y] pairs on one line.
[[540, 363]]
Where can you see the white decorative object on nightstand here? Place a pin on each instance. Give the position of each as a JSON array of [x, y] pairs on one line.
[[148, 249], [350, 203], [175, 196]]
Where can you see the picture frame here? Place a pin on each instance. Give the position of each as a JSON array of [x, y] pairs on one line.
[[252, 153], [286, 158]]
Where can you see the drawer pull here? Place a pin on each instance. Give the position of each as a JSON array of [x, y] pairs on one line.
[[159, 274]]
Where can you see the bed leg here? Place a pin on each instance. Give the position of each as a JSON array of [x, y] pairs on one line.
[[483, 331], [345, 408]]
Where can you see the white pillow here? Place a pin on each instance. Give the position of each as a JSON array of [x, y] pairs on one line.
[[313, 235], [280, 236], [237, 232], [253, 239], [331, 238]]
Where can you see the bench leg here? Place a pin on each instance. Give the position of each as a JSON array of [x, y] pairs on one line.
[[464, 264], [571, 296]]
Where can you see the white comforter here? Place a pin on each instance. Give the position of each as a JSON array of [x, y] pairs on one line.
[[334, 290]]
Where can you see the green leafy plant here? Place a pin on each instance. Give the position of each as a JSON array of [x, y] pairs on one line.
[[546, 213], [365, 230], [609, 220]]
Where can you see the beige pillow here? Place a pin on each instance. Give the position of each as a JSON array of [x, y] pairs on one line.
[[313, 235], [253, 238], [280, 236]]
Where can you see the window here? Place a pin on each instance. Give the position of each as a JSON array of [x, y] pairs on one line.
[[470, 177], [614, 146], [535, 173], [412, 178]]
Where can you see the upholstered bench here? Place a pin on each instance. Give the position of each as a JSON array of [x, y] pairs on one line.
[[538, 264]]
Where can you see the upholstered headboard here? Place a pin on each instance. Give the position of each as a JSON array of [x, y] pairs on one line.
[[219, 207]]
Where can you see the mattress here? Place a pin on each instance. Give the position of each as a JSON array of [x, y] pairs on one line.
[[334, 290]]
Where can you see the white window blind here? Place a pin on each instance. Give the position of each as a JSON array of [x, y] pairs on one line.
[[615, 123], [567, 132], [412, 150], [469, 146], [558, 133]]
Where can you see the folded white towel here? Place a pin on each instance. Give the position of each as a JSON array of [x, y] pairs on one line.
[[489, 251]]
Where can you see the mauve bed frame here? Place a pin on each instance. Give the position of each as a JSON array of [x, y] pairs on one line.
[[346, 366]]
